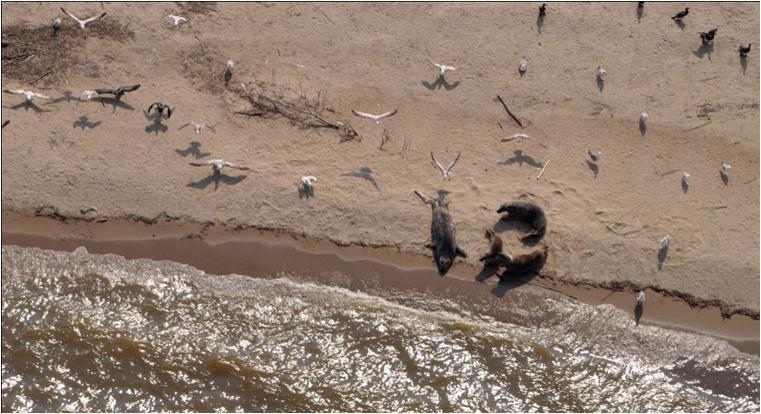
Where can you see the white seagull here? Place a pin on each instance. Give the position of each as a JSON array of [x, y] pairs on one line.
[[726, 167], [28, 95], [56, 25], [445, 173], [601, 73], [176, 19], [308, 181], [643, 116], [199, 127], [524, 65], [515, 136], [376, 118], [641, 296], [686, 179], [443, 68], [596, 156], [81, 22], [217, 165], [666, 241], [88, 95], [229, 68]]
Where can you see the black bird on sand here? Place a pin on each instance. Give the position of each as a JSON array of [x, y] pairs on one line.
[[744, 50], [160, 107], [542, 9], [682, 14], [708, 36], [118, 92]]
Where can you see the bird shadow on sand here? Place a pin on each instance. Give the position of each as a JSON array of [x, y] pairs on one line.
[[685, 186], [216, 179], [439, 83], [520, 158], [724, 177], [364, 173], [640, 12], [539, 23], [84, 122], [662, 253], [600, 84], [156, 126], [26, 105], [114, 103], [228, 76], [193, 149], [67, 96], [744, 63], [638, 311], [680, 24], [592, 166], [703, 50], [509, 282], [642, 127], [305, 192]]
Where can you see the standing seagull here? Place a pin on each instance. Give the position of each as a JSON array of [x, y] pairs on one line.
[[523, 67], [56, 25], [376, 118], [445, 173], [308, 181], [28, 95], [666, 241], [198, 127], [596, 156], [217, 165], [118, 92], [177, 19], [725, 167], [601, 73], [682, 14], [81, 22], [744, 50]]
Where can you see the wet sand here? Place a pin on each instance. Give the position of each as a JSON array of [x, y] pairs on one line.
[[268, 254]]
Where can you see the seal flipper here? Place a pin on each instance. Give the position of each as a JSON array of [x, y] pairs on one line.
[[430, 246]]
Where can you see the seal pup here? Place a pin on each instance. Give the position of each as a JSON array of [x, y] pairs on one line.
[[744, 50], [443, 241], [682, 14], [495, 257], [118, 92], [160, 107], [83, 22], [528, 213], [525, 263], [376, 118]]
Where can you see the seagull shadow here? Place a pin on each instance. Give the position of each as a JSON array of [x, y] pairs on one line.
[[439, 83], [520, 158], [638, 311], [680, 24], [114, 103], [6, 122], [156, 126], [600, 84], [642, 127], [594, 167], [685, 186], [489, 270], [305, 191], [703, 50], [228, 76], [539, 23], [662, 253], [744, 63], [193, 149], [724, 177], [67, 96], [216, 179], [364, 173], [83, 122], [640, 12], [26, 105]]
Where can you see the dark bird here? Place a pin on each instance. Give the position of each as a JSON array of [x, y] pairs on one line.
[[118, 92], [6, 122], [744, 50], [682, 14], [708, 36], [56, 25], [542, 9], [160, 107], [640, 4]]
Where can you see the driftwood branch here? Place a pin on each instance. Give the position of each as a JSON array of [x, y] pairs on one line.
[[424, 199], [508, 111], [543, 168]]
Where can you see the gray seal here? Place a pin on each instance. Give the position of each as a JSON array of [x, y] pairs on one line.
[[443, 241], [528, 213]]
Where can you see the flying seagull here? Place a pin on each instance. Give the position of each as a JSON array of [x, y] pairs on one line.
[[160, 107], [708, 36], [28, 95], [442, 68], [308, 181], [682, 14], [56, 25], [176, 19], [596, 156], [217, 165], [666, 241], [199, 127], [744, 50], [81, 22], [445, 173], [376, 118], [118, 92]]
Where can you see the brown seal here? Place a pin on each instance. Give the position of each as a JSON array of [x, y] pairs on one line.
[[495, 255], [525, 263]]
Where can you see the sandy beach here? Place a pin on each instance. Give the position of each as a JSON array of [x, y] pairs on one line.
[[604, 227]]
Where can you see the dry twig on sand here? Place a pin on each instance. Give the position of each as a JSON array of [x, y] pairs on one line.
[[543, 168], [508, 111]]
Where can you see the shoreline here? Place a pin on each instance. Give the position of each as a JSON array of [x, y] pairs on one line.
[[217, 249]]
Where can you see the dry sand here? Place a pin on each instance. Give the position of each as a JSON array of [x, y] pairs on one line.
[[371, 57]]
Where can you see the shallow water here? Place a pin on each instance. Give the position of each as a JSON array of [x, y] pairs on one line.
[[100, 333]]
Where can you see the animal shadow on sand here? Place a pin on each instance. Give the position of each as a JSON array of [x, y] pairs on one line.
[[724, 177], [193, 149], [662, 253], [228, 76], [592, 166], [216, 179], [600, 84], [520, 158], [680, 24], [642, 127], [364, 173], [511, 281], [26, 105], [305, 192], [638, 310], [705, 49], [67, 96], [84, 122], [439, 83], [744, 63], [539, 23], [156, 126], [114, 103], [685, 186], [640, 12]]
